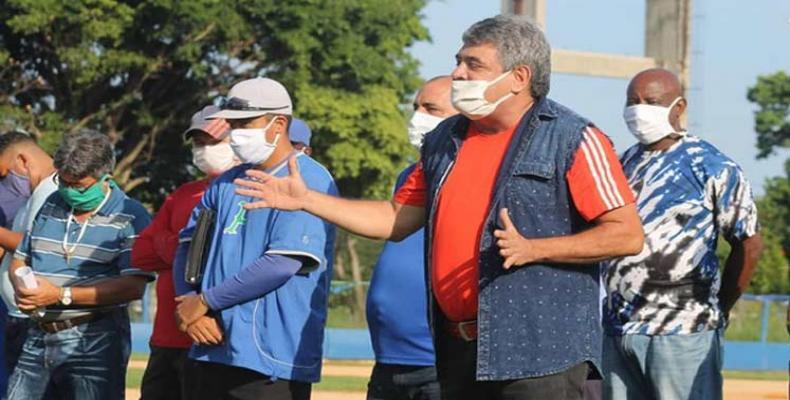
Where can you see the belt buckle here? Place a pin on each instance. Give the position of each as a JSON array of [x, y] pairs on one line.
[[462, 331]]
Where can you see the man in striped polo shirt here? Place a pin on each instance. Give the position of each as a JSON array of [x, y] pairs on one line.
[[79, 247]]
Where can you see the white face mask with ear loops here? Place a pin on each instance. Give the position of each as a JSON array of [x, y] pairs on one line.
[[420, 124], [214, 159], [649, 123], [469, 97], [250, 145]]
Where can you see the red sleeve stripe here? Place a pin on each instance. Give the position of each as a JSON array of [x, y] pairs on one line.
[[599, 167], [605, 156]]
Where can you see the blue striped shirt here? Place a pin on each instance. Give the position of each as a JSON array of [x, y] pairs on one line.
[[103, 252]]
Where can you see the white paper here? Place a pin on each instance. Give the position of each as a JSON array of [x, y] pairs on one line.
[[27, 277]]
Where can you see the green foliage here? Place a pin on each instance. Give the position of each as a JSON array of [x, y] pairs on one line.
[[774, 208], [137, 70], [771, 274], [772, 124], [772, 120]]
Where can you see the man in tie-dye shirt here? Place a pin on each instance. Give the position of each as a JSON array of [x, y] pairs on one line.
[[667, 306]]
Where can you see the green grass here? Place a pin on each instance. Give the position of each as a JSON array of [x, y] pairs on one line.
[[746, 318], [757, 375], [342, 383], [134, 377], [341, 317]]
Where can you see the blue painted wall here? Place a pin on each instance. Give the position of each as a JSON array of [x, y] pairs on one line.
[[354, 344]]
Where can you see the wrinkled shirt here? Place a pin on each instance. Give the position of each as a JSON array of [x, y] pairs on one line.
[[687, 196]]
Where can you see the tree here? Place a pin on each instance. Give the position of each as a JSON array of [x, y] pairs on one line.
[[772, 125], [772, 120], [138, 69]]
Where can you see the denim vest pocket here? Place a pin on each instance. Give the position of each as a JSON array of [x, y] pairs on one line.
[[535, 169], [532, 185]]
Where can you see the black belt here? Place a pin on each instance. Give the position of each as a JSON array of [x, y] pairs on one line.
[[63, 324]]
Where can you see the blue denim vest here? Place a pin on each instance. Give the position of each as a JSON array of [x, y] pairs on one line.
[[542, 318]]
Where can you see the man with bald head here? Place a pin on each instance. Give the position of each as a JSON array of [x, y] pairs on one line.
[[431, 106], [398, 324], [667, 306]]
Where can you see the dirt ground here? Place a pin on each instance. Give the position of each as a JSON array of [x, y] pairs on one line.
[[733, 390], [738, 389]]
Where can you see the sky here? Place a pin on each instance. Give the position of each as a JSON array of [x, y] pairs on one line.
[[731, 46]]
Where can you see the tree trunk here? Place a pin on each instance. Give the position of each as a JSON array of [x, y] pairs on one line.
[[356, 275], [339, 266]]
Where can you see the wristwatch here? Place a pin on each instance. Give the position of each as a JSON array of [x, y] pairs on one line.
[[65, 296]]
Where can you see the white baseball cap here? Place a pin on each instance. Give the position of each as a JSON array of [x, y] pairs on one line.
[[254, 98]]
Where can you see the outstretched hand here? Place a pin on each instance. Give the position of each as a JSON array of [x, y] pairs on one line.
[[516, 249], [284, 193]]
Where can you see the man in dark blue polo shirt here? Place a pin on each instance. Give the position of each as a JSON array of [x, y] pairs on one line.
[[399, 324]]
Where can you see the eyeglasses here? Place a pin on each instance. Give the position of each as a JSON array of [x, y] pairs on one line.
[[237, 104]]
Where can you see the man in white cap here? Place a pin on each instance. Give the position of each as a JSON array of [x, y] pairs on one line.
[[155, 250], [267, 272]]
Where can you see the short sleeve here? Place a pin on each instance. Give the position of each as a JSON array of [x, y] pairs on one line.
[[130, 233], [23, 249], [596, 180], [734, 206], [412, 191], [298, 233]]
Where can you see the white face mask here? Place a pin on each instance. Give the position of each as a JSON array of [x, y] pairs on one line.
[[420, 124], [250, 145], [214, 159], [649, 123], [469, 97]]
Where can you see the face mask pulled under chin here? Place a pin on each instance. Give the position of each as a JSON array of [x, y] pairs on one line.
[[250, 145], [214, 159], [420, 124], [649, 123], [469, 97]]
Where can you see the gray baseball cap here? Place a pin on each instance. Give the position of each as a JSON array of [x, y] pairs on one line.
[[254, 98], [217, 128]]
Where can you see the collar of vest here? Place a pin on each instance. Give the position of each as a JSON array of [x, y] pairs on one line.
[[544, 108]]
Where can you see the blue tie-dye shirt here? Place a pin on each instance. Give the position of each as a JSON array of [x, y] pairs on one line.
[[687, 196]]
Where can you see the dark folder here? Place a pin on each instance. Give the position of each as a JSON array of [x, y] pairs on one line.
[[199, 247]]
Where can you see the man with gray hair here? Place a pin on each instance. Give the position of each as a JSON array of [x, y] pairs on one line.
[[72, 274], [521, 198]]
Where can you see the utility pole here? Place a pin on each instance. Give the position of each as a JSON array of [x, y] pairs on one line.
[[667, 42]]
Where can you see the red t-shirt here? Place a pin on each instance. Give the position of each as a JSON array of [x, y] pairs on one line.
[[596, 182], [155, 251]]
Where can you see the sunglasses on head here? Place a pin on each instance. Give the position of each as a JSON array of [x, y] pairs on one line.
[[237, 104]]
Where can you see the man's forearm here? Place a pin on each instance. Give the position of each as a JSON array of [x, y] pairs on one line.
[[9, 239], [15, 264], [370, 218], [599, 243], [738, 271], [115, 291]]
